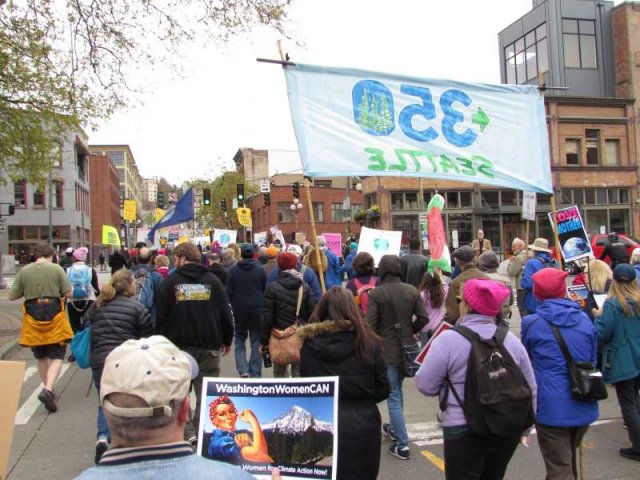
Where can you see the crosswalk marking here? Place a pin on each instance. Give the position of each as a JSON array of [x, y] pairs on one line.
[[29, 407]]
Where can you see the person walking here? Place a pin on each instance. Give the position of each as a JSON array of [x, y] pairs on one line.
[[45, 327], [561, 421], [101, 260], [466, 259], [488, 264], [308, 275], [541, 259], [116, 317], [337, 342], [84, 287], [116, 261], [245, 285], [391, 310], [618, 326], [271, 254], [194, 313], [433, 291], [515, 269], [413, 264], [348, 260], [466, 454], [281, 304], [364, 280]]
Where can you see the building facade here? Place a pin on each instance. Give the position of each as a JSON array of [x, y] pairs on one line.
[[105, 200], [58, 212], [150, 190]]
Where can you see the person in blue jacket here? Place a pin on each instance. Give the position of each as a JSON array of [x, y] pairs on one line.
[[561, 421], [618, 325], [353, 251], [541, 259], [335, 271], [308, 276]]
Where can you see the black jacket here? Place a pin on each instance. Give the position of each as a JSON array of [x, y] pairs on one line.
[[280, 303], [412, 268], [329, 351], [116, 261], [193, 309], [617, 252], [245, 284], [123, 318]]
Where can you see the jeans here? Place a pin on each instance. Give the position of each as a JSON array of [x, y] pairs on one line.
[[629, 401], [558, 446], [101, 423], [395, 405], [254, 366], [472, 457], [209, 365]]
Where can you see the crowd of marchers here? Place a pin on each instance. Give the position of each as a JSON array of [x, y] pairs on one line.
[[493, 388]]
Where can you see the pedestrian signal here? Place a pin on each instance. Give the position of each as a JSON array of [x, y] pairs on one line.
[[206, 196], [296, 190], [267, 199]]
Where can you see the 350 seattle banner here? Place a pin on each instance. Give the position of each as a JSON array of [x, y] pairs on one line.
[[354, 122]]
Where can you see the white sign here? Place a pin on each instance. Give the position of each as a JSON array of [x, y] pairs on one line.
[[224, 237], [603, 230], [454, 238], [265, 185], [529, 206], [3, 225], [379, 243]]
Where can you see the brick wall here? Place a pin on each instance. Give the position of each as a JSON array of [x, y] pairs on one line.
[[104, 194]]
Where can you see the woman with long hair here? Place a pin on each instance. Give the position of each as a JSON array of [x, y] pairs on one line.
[[618, 326], [115, 317], [433, 291], [364, 279], [596, 276], [337, 342]]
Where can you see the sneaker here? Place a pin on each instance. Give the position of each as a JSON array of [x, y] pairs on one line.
[[244, 375], [632, 453], [101, 447], [388, 431], [402, 453], [71, 358], [48, 399]]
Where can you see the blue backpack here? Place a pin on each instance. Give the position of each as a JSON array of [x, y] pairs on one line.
[[144, 288], [79, 277]]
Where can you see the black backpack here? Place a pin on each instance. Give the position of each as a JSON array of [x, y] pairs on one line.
[[498, 399]]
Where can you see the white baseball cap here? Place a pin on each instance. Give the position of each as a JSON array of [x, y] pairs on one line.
[[295, 249], [153, 369]]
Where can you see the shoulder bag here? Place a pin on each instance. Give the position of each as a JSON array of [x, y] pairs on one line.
[[409, 350], [285, 345], [81, 342], [585, 380]]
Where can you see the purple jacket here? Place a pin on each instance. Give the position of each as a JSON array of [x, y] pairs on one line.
[[449, 354]]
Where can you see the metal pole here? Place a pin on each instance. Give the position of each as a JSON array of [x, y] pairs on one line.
[[50, 212], [3, 284]]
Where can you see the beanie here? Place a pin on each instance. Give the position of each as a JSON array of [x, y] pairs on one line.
[[549, 283], [287, 261], [485, 296]]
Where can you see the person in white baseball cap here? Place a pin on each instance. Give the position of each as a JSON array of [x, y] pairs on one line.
[[145, 395]]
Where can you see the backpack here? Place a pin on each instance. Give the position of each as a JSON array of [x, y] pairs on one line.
[[362, 293], [144, 287], [498, 399], [79, 277]]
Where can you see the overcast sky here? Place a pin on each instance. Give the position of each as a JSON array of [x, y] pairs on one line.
[[191, 127]]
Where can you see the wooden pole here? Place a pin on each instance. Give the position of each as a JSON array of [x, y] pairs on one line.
[[526, 233], [556, 238]]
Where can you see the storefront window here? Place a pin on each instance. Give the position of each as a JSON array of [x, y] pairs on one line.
[[509, 197], [465, 199], [619, 221], [462, 223], [595, 220], [452, 200], [491, 228], [490, 198], [407, 224]]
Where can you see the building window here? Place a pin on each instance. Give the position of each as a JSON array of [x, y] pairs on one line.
[[579, 37], [397, 200], [56, 155], [490, 198], [465, 199], [38, 198], [20, 194], [338, 214], [527, 56], [452, 200], [285, 215], [318, 211], [57, 189], [509, 197], [592, 145], [461, 222], [117, 158], [572, 151], [321, 183], [612, 152]]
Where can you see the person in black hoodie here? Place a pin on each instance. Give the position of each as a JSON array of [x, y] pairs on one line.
[[245, 285], [193, 312], [337, 342], [280, 303]]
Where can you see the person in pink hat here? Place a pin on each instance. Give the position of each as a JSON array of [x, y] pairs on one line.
[[467, 454], [84, 287]]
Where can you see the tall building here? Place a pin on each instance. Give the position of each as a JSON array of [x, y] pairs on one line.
[[150, 189], [105, 200]]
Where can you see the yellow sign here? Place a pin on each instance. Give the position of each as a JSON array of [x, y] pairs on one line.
[[159, 214], [183, 239], [244, 216], [129, 210], [110, 236]]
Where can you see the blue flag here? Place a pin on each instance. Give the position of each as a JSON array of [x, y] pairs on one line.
[[182, 212]]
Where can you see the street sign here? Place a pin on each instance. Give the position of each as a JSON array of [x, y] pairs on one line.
[[529, 206], [3, 225], [265, 185]]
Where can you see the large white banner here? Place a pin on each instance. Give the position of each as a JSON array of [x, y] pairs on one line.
[[224, 237], [353, 122], [379, 243]]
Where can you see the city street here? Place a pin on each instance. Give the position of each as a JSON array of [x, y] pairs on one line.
[[60, 445]]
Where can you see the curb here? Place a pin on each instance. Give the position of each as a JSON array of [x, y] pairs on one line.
[[9, 348]]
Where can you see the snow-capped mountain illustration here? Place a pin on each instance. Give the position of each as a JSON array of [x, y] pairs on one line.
[[297, 421]]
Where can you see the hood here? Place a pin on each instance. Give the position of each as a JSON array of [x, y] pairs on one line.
[[560, 312], [246, 264], [192, 271], [389, 265], [288, 281], [327, 341], [545, 256]]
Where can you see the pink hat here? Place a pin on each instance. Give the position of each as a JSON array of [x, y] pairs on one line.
[[80, 254], [549, 283], [485, 296]]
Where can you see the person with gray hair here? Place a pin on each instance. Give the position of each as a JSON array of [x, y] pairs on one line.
[[334, 274], [515, 270], [488, 263], [229, 259], [144, 392]]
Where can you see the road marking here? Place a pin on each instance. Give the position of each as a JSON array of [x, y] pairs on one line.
[[29, 407], [28, 373], [436, 460]]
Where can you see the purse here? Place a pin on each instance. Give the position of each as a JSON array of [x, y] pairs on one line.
[[409, 351], [285, 345], [585, 380], [81, 342]]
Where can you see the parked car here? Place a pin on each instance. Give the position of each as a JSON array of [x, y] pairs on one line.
[[598, 242]]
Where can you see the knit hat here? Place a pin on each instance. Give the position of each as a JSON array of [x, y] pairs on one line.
[[353, 246], [287, 261], [485, 296], [153, 369], [246, 251], [549, 283], [80, 254], [624, 273], [272, 252]]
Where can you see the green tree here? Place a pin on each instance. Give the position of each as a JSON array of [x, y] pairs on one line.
[[363, 118], [64, 65]]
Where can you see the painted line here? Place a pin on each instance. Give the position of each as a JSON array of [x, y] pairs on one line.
[[28, 373], [436, 460], [29, 407]]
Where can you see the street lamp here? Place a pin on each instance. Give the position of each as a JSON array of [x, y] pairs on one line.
[[295, 207]]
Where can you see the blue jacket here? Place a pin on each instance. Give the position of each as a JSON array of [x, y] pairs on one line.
[[621, 337], [308, 276], [537, 263], [555, 405], [637, 269], [351, 273], [245, 284], [333, 275]]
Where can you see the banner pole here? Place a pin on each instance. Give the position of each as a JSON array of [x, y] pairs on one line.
[[556, 238]]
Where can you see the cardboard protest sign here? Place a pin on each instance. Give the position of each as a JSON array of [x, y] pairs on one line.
[[12, 374], [261, 423], [425, 349], [574, 242], [260, 238], [224, 237], [379, 243], [333, 241]]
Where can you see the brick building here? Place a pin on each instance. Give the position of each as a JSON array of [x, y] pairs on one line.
[[105, 199]]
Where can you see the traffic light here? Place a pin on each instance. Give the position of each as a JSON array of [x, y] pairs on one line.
[[206, 197], [267, 199], [296, 190], [223, 205], [240, 193], [161, 200]]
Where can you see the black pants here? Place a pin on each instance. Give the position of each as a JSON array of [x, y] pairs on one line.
[[629, 401], [473, 457]]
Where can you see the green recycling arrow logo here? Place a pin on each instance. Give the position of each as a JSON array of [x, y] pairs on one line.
[[481, 119]]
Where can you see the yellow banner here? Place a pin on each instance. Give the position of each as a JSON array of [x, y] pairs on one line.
[[159, 214], [110, 236], [244, 216], [129, 210]]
